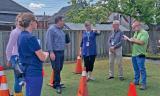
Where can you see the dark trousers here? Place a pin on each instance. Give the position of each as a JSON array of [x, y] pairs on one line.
[[89, 62], [57, 66], [34, 86]]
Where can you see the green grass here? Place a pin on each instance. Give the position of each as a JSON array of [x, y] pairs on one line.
[[102, 86]]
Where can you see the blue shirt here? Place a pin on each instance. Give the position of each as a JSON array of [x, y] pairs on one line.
[[115, 39], [27, 46], [55, 39], [88, 43]]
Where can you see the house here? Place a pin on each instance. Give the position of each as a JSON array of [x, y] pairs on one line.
[[126, 21], [100, 27], [43, 21], [63, 12], [8, 12]]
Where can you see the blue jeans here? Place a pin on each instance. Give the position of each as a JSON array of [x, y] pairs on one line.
[[33, 86], [17, 80], [139, 69], [57, 66]]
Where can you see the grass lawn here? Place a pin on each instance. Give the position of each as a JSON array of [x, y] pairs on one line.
[[102, 86]]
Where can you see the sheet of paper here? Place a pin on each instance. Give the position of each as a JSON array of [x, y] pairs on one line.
[[126, 37]]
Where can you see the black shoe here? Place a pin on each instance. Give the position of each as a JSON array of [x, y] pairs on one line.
[[136, 84], [121, 78], [58, 90], [62, 86], [110, 78], [143, 87]]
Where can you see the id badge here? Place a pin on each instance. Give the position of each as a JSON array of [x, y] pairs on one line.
[[112, 43], [39, 41], [87, 44]]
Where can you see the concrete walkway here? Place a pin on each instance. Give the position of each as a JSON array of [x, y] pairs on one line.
[[148, 60]]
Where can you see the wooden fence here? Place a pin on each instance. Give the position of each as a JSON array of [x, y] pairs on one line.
[[72, 51]]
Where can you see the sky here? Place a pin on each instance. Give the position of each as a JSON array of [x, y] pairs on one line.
[[40, 6]]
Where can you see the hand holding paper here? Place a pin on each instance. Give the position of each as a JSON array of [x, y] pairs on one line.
[[126, 38]]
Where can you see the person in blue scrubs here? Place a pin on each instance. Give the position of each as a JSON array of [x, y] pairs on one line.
[[31, 55], [88, 48]]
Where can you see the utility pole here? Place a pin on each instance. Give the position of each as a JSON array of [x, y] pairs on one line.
[[44, 20]]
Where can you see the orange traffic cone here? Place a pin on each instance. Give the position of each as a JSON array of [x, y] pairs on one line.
[[4, 91], [83, 89], [51, 79], [78, 69], [132, 90], [43, 72]]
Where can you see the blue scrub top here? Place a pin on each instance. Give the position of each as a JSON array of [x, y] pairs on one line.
[[27, 46], [88, 43]]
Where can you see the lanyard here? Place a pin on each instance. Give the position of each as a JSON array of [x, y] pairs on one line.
[[88, 36]]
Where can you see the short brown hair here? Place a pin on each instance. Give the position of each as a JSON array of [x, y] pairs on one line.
[[26, 19], [58, 18]]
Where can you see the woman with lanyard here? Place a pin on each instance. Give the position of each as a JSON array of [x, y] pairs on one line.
[[31, 55], [88, 48]]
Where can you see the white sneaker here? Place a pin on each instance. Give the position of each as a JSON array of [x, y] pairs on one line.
[[92, 78], [22, 83]]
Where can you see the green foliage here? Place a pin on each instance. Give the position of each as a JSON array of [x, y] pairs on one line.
[[91, 13], [143, 10], [80, 13]]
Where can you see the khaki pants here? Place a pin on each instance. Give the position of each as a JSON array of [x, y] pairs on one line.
[[115, 58]]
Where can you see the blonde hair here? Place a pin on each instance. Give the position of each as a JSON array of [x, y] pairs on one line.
[[19, 16], [87, 23]]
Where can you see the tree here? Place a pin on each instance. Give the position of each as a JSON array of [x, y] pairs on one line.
[[147, 11], [84, 10]]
